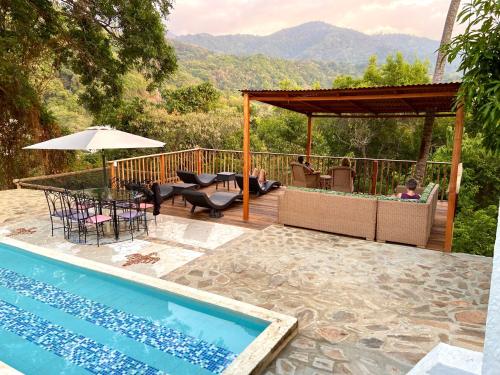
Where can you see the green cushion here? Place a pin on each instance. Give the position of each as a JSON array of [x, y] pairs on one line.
[[423, 197], [332, 192], [426, 193]]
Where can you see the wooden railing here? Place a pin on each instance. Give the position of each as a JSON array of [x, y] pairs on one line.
[[157, 167], [374, 176]]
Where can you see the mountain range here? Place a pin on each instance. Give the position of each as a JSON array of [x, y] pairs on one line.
[[307, 55], [317, 41]]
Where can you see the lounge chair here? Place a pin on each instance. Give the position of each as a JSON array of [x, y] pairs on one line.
[[217, 202], [255, 187], [147, 198], [165, 191], [202, 180]]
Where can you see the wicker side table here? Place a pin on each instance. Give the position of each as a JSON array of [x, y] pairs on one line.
[[326, 181]]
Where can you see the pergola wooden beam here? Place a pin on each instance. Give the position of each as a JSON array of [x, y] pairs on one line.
[[362, 107], [382, 115], [340, 98], [409, 105], [314, 107]]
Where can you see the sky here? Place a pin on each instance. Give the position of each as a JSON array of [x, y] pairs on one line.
[[262, 17]]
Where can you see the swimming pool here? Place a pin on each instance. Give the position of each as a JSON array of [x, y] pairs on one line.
[[61, 318]]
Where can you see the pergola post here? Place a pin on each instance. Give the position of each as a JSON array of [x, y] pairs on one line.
[[246, 156], [452, 191], [309, 138]]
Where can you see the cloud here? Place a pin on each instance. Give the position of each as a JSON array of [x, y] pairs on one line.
[[262, 17]]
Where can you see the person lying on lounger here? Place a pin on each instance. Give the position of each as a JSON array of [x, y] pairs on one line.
[[262, 178]]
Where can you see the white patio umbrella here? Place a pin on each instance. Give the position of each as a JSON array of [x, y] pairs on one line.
[[97, 138]]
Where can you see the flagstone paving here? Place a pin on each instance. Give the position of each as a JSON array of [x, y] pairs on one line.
[[171, 242], [363, 307]]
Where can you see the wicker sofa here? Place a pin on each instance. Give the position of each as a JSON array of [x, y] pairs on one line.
[[359, 215], [329, 211], [407, 221]]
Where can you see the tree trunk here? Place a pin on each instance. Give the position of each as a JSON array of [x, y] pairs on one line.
[[425, 144]]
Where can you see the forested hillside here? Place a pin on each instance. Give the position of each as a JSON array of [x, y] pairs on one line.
[[229, 72]]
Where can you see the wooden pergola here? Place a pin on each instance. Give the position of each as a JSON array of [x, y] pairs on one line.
[[371, 102]]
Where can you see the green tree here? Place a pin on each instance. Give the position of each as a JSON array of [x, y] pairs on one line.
[[376, 137], [220, 129], [426, 141], [98, 40], [395, 71], [475, 224], [199, 98], [286, 132], [478, 49]]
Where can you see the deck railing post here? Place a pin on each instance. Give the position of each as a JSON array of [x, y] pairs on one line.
[[373, 190], [162, 168], [112, 172], [199, 165]]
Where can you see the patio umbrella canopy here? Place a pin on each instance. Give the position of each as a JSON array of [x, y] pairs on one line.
[[97, 138]]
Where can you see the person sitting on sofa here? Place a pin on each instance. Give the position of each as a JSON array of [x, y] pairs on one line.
[[307, 167], [410, 193]]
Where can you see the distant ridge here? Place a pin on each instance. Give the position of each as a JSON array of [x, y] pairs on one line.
[[318, 41]]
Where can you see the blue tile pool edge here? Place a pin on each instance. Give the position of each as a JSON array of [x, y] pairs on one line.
[[281, 329]]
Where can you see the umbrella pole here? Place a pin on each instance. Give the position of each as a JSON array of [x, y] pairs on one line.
[[104, 174]]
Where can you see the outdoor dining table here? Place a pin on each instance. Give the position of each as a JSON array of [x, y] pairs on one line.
[[113, 198]]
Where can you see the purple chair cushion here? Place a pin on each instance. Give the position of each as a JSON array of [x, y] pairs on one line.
[[97, 219]]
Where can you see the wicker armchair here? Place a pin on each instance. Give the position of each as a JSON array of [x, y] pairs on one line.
[[303, 179], [342, 179]]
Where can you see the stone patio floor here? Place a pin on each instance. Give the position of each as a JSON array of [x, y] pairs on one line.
[[363, 307]]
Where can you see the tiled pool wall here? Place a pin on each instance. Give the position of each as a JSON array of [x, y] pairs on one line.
[[15, 320], [253, 359]]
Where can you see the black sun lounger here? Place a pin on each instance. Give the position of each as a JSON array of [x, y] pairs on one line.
[[217, 202], [202, 180], [255, 187]]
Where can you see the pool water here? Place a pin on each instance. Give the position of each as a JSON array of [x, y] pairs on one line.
[[57, 318]]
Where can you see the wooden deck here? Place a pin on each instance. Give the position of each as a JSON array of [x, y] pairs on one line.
[[436, 240], [264, 212]]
